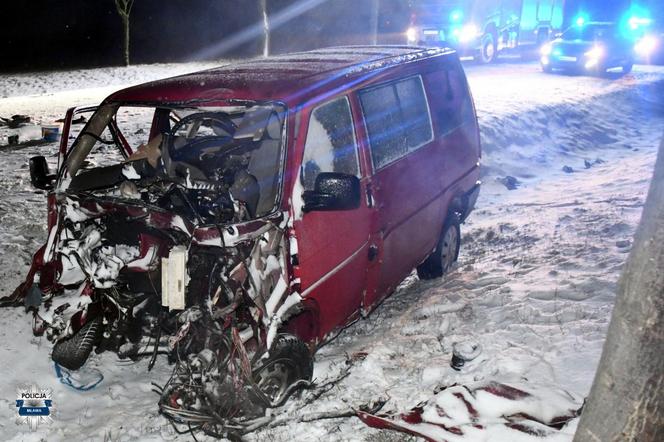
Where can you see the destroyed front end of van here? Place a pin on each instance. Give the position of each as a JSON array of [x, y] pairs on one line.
[[180, 242]]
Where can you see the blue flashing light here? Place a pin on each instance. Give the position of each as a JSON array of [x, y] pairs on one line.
[[456, 15], [580, 21], [636, 22], [637, 17]]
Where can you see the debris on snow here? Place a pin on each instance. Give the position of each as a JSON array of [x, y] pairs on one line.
[[486, 411], [463, 352], [509, 182]]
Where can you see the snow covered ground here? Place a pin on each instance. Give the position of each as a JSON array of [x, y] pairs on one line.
[[534, 286]]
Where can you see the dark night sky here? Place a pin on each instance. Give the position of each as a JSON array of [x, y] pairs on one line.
[[60, 33], [55, 34]]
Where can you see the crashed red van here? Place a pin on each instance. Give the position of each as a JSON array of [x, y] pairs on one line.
[[239, 217]]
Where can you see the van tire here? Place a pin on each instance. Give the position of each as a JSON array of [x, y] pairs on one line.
[[289, 361], [74, 351], [446, 252]]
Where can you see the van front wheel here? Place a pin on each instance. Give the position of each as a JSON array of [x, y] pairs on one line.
[[289, 361], [445, 254]]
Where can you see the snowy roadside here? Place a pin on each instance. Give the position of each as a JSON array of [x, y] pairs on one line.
[[534, 286], [48, 83]]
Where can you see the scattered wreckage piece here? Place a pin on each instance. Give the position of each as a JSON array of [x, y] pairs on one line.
[[20, 133], [218, 425], [484, 410], [15, 121], [78, 120]]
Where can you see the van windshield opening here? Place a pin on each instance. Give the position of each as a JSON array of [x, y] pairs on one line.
[[231, 153]]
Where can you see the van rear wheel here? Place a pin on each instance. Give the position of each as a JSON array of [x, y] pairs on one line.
[[446, 252]]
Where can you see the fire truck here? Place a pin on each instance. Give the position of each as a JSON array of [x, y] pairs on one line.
[[485, 28]]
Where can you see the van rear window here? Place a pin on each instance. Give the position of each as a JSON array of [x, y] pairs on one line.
[[397, 119], [454, 108]]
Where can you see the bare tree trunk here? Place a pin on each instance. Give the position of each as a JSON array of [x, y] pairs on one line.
[[123, 8], [266, 29], [125, 24], [626, 401], [373, 24]]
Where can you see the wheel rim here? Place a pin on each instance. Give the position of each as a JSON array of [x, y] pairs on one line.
[[449, 247], [274, 380]]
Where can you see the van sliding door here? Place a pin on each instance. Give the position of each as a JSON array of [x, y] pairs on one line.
[[406, 180]]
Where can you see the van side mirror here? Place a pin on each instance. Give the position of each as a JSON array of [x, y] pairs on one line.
[[333, 191], [39, 175]]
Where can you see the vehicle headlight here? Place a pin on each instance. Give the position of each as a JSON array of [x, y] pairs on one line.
[[595, 52], [411, 34], [468, 33], [546, 49], [646, 46]]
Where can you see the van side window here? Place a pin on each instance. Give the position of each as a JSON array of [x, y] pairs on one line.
[[460, 88], [448, 88], [331, 144], [415, 112], [397, 119]]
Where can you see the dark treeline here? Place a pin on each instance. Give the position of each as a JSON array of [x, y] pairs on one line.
[[58, 34]]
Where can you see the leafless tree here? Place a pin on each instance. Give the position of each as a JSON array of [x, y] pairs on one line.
[[124, 10], [626, 401], [373, 25], [266, 29]]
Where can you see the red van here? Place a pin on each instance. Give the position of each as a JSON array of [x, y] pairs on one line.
[[243, 215]]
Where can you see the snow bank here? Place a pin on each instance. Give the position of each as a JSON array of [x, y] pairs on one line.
[[530, 142]]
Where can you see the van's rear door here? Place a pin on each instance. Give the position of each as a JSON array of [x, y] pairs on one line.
[[407, 181]]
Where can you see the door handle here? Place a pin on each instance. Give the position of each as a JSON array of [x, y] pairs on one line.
[[370, 198], [373, 252]]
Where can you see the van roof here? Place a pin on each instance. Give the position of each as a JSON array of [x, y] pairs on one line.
[[286, 77]]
